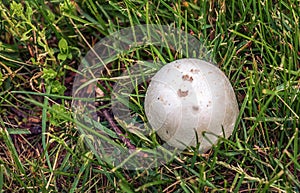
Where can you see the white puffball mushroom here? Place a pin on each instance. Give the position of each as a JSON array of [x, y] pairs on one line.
[[191, 96]]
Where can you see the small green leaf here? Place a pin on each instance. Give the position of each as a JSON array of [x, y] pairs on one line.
[[62, 56], [63, 45], [49, 74], [57, 88], [70, 56], [56, 117], [16, 8]]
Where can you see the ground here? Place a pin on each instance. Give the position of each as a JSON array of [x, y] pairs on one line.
[[42, 43]]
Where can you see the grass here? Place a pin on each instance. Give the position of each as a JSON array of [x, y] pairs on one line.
[[255, 43]]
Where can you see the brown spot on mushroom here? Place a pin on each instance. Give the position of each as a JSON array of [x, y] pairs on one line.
[[209, 103], [181, 93], [187, 78], [194, 71], [196, 108], [162, 100]]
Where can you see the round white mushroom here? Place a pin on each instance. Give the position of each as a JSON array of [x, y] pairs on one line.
[[190, 96]]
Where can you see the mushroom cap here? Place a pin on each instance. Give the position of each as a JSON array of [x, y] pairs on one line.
[[190, 96]]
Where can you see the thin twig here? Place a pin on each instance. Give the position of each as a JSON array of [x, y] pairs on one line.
[[125, 140]]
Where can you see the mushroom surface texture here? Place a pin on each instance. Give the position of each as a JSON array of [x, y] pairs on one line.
[[190, 96]]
